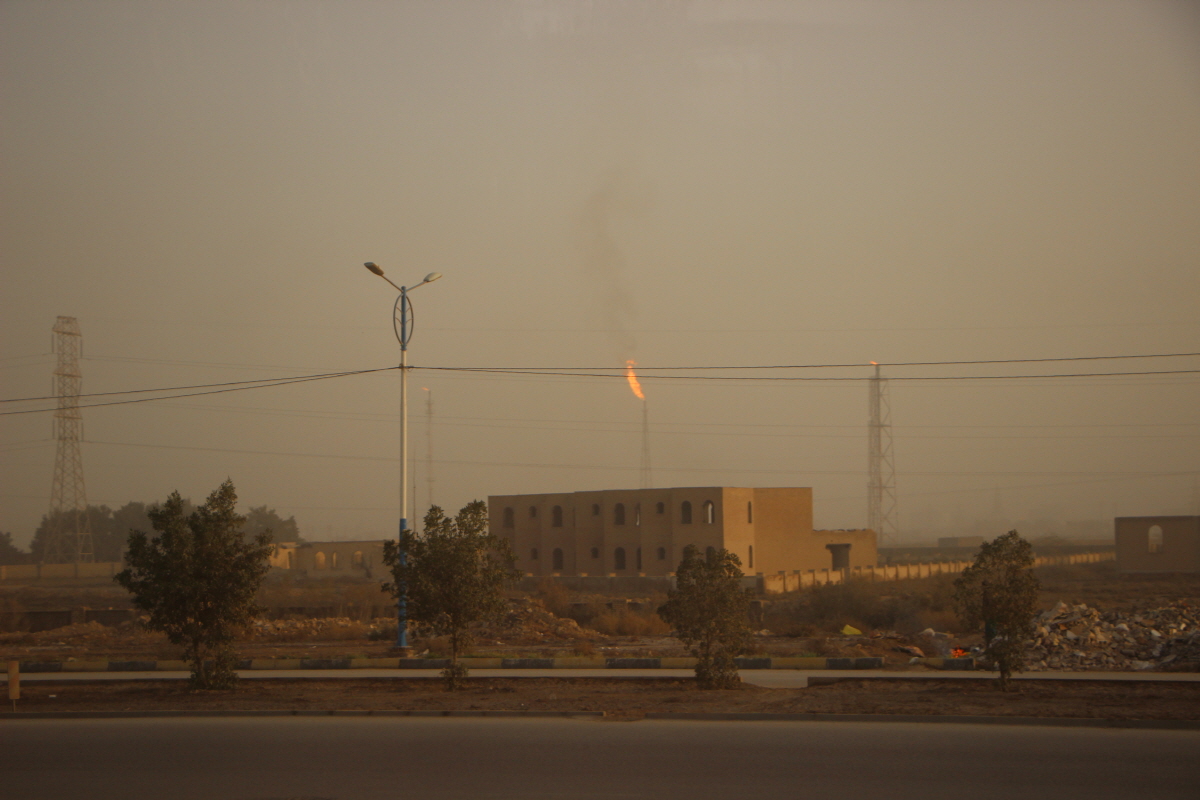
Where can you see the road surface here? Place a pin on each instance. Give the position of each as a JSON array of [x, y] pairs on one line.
[[432, 758]]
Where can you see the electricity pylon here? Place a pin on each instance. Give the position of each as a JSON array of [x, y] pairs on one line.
[[69, 533], [881, 486]]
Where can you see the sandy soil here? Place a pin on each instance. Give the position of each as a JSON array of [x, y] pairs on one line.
[[633, 698]]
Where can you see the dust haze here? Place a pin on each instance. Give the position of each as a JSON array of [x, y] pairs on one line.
[[695, 184]]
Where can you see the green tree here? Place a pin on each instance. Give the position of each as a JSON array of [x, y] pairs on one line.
[[709, 611], [10, 553], [454, 574], [197, 579], [999, 594]]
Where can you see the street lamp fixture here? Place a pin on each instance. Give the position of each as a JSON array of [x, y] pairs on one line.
[[402, 323]]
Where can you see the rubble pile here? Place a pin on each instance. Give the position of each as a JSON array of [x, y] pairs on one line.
[[316, 628], [1078, 637], [529, 621]]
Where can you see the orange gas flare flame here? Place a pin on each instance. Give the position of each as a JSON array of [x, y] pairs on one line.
[[631, 376]]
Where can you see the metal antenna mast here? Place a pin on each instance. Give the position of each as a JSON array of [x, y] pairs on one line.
[[69, 538], [646, 480], [881, 488]]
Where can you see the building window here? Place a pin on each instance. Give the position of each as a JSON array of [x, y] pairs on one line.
[[556, 517], [557, 559], [749, 512], [637, 514], [319, 560], [595, 552], [660, 508], [685, 512], [750, 561], [533, 512], [356, 560], [662, 554], [638, 557], [333, 560], [533, 554], [619, 558], [619, 514], [710, 512], [1154, 539], [595, 509], [508, 517]]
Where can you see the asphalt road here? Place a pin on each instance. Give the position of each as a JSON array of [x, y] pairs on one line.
[[431, 758]]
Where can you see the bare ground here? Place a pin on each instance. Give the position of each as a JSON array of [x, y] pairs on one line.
[[633, 698]]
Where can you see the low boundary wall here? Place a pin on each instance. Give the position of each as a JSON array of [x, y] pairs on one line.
[[795, 581]]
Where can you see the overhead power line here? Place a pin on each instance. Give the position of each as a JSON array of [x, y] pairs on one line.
[[618, 373]]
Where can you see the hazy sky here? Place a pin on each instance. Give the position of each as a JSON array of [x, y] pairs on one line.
[[686, 184]]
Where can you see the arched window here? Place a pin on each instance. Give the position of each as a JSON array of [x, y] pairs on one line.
[[749, 512], [662, 554], [619, 558], [319, 560], [533, 554], [750, 561], [595, 509], [291, 560], [333, 560], [595, 552], [508, 517], [638, 557], [556, 517], [619, 514], [660, 508], [685, 512], [637, 514], [557, 559], [710, 512], [356, 560], [1154, 539], [533, 512]]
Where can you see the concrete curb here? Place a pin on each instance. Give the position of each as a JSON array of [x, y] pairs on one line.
[[677, 716], [1070, 722], [38, 667], [295, 712]]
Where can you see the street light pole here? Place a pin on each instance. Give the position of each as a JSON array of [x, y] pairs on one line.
[[402, 323]]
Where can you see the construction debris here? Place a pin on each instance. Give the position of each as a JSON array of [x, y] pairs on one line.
[[1076, 637]]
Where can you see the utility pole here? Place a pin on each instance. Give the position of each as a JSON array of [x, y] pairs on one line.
[[881, 485], [69, 534], [428, 447]]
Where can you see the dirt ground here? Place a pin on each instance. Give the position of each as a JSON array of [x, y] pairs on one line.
[[633, 698], [540, 633]]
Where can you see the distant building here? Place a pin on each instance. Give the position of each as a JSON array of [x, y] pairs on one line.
[[331, 559], [1157, 544], [644, 531]]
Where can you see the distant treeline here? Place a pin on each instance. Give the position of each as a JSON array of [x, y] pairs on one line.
[[110, 531]]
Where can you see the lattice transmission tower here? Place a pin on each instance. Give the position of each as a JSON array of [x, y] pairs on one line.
[[69, 534], [881, 486]]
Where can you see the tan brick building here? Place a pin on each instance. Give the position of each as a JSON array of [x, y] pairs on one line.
[[644, 531], [1158, 544]]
